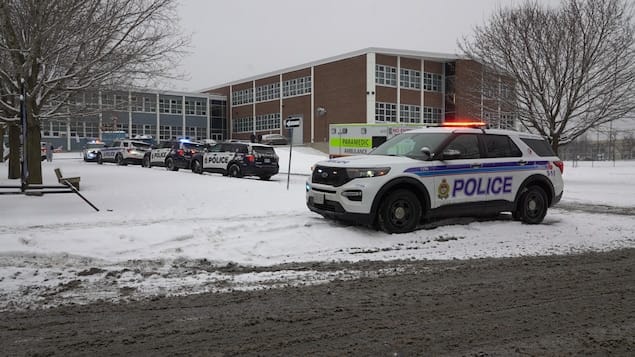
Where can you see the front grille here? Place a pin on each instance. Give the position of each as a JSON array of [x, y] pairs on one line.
[[332, 176]]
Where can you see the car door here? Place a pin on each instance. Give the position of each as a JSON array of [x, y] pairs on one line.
[[460, 177], [503, 161], [157, 156], [216, 158]]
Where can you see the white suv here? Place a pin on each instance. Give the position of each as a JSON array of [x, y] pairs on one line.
[[439, 172]]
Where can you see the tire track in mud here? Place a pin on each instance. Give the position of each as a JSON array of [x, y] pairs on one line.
[[595, 208]]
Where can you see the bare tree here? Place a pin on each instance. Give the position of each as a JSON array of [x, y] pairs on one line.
[[60, 47], [573, 65]]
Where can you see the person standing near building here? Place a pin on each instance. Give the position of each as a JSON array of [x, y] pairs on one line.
[[49, 152]]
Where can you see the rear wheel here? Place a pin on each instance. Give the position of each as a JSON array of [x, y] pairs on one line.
[[532, 207], [197, 167], [170, 164], [265, 177], [399, 212], [119, 159], [234, 171]]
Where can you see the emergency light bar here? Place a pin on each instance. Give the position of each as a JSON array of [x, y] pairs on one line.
[[464, 124]]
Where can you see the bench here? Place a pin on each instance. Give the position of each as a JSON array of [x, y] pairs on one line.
[[67, 181]]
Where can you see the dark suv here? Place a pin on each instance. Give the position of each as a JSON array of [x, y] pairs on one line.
[[238, 159], [174, 154]]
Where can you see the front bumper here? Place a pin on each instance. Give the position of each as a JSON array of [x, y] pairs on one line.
[[334, 210]]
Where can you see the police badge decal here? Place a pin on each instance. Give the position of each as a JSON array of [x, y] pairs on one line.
[[444, 189]]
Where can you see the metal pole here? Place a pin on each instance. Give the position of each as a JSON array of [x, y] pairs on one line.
[[25, 167], [290, 150]]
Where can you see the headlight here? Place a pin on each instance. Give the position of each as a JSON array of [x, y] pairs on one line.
[[367, 172]]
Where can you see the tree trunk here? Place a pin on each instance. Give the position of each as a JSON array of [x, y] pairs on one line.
[[34, 153], [14, 151], [1, 143]]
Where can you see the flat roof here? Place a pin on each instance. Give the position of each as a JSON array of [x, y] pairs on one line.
[[387, 51]]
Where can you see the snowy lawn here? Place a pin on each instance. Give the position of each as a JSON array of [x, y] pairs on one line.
[[160, 218]]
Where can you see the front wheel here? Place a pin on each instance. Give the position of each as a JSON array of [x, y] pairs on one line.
[[399, 212], [532, 207], [234, 171], [265, 177], [100, 160], [146, 162], [197, 167]]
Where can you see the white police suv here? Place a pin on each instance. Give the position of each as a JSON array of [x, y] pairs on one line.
[[439, 172]]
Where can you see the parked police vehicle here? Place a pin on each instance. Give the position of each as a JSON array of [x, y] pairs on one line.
[[90, 150], [173, 154], [123, 152], [238, 159], [439, 172]]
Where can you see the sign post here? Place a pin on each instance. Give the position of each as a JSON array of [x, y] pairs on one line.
[[290, 123]]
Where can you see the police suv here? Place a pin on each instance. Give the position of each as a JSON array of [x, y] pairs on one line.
[[123, 152], [238, 159], [174, 154], [439, 172]]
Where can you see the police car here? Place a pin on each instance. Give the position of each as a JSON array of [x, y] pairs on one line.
[[123, 152], [173, 155], [238, 159], [439, 172], [89, 152]]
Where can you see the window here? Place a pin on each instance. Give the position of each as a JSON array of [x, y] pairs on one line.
[[385, 112], [190, 107], [500, 146], [149, 104], [120, 103], [410, 78], [164, 106], [431, 115], [268, 122], [243, 125], [386, 75], [296, 86], [539, 146], [201, 107], [432, 82], [410, 113], [176, 106], [464, 146], [243, 96], [268, 92]]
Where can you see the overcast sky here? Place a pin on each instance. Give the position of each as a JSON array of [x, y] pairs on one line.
[[235, 39]]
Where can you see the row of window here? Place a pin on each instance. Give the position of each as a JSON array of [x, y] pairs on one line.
[[408, 78], [408, 113], [263, 122], [290, 88], [141, 103]]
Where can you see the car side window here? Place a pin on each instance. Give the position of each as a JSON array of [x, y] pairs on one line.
[[500, 146], [463, 146]]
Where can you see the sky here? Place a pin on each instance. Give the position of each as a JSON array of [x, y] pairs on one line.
[[167, 233], [235, 39]]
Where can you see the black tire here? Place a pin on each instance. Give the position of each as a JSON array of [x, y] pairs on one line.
[[100, 160], [197, 167], [399, 212], [234, 171], [265, 177], [170, 164], [146, 162], [532, 206], [119, 160]]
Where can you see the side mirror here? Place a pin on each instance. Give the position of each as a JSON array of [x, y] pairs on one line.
[[427, 154]]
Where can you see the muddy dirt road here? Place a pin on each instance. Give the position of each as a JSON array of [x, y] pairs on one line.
[[579, 304]]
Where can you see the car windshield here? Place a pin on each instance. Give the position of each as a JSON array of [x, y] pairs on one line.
[[410, 145]]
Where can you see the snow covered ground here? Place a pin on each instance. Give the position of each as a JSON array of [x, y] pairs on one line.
[[162, 233]]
